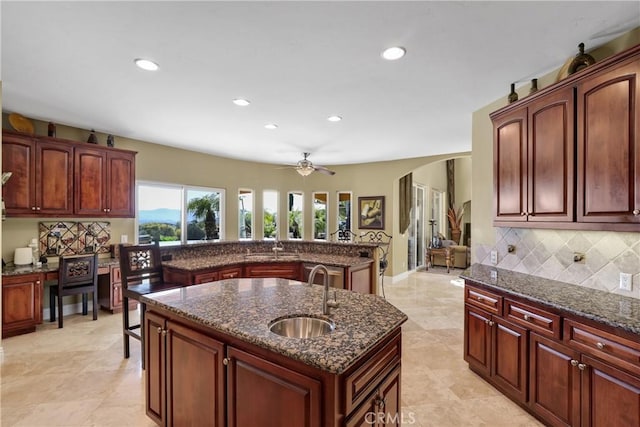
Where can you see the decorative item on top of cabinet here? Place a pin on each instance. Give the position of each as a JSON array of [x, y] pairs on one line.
[[582, 60], [110, 141], [93, 139], [51, 129], [513, 95], [534, 86]]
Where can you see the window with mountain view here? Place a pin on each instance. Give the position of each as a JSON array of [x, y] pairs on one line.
[[164, 211]]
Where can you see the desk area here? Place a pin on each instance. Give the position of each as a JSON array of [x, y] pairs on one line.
[[23, 293]]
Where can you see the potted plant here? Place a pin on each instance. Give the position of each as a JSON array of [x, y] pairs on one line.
[[204, 208], [455, 222]]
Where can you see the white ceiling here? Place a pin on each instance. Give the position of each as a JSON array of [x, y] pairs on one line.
[[297, 62]]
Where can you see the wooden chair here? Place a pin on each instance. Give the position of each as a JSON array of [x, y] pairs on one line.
[[141, 270], [77, 275], [383, 242]]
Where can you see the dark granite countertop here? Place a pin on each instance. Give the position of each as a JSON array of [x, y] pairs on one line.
[[203, 263], [14, 270], [243, 308], [604, 307]]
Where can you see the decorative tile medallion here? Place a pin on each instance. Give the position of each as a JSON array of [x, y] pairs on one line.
[[73, 238]]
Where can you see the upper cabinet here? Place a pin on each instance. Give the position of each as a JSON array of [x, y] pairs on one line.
[[568, 156], [58, 178]]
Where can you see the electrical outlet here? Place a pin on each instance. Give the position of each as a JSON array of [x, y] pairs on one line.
[[494, 257], [626, 282]]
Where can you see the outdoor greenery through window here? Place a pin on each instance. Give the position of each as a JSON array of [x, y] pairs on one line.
[[320, 216], [165, 211], [296, 200], [245, 213], [344, 210], [270, 214]]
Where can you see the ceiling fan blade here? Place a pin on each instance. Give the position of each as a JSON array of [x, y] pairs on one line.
[[323, 170]]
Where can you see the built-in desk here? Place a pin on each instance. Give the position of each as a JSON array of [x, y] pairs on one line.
[[23, 293]]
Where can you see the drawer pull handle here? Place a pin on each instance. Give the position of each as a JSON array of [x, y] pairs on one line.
[[600, 345], [480, 299], [582, 366], [574, 362]]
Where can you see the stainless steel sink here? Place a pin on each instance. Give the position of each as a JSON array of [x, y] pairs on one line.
[[301, 327]]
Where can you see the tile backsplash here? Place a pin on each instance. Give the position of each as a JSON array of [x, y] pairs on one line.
[[550, 254]]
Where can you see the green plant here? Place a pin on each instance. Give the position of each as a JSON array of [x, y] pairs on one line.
[[204, 208]]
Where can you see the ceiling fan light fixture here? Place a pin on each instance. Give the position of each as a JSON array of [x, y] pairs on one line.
[[394, 53], [146, 64], [334, 118], [271, 126], [304, 170], [241, 102]]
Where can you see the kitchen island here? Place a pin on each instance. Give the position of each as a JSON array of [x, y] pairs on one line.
[[212, 360]]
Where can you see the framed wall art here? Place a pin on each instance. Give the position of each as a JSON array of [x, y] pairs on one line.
[[371, 212]]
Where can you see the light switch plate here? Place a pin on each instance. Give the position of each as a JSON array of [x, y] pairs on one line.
[[494, 257], [626, 282]]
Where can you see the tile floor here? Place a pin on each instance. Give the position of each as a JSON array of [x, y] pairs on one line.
[[76, 376]]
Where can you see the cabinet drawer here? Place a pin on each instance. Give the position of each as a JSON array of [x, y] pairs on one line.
[[209, 276], [230, 273], [361, 382], [622, 352], [484, 299], [532, 318]]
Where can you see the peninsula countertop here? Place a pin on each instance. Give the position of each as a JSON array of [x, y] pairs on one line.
[[244, 308], [604, 307]]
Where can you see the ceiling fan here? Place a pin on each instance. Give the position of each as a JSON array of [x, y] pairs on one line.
[[304, 167]]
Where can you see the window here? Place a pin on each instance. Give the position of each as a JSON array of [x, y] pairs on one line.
[[344, 210], [295, 214], [320, 201], [164, 211], [270, 214], [245, 214]]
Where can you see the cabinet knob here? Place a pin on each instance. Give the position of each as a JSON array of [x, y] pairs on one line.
[[523, 214], [636, 211], [164, 332], [582, 366], [491, 323], [159, 329], [108, 210], [33, 208], [37, 208], [380, 403], [526, 317], [104, 210], [225, 361], [600, 345], [480, 299], [574, 362]]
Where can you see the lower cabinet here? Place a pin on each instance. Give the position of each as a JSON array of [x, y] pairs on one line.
[[284, 270], [200, 378], [21, 304], [564, 371], [262, 393], [110, 291]]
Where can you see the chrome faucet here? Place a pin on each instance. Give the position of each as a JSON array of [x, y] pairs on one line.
[[277, 247], [326, 304]]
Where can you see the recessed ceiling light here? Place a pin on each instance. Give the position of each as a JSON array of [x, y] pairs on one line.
[[241, 102], [393, 53], [146, 64], [271, 126], [334, 118]]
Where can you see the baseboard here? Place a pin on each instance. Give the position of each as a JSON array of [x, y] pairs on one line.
[[68, 309]]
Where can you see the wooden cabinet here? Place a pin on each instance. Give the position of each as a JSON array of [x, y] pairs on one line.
[[230, 272], [590, 120], [285, 270], [104, 183], [533, 160], [185, 381], [576, 373], [608, 105], [361, 278], [54, 177], [110, 291], [42, 176], [380, 408], [264, 393], [21, 304]]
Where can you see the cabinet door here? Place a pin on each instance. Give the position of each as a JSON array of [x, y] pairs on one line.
[[510, 166], [155, 378], [21, 304], [509, 358], [262, 393], [610, 397], [608, 147], [120, 185], [89, 182], [18, 157], [554, 382], [550, 157], [195, 378], [477, 340], [382, 408]]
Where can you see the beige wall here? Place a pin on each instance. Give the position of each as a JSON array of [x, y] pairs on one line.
[[546, 252], [170, 165]]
